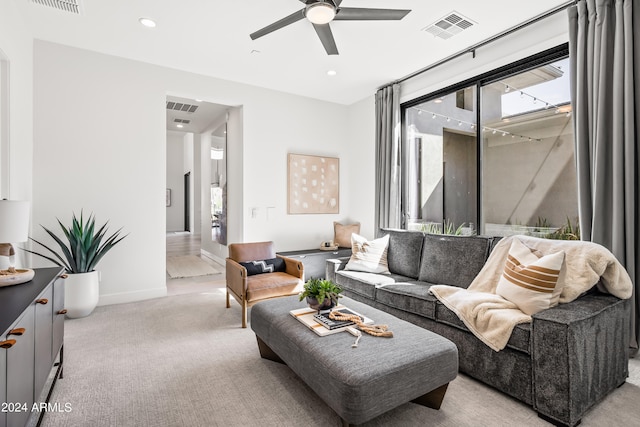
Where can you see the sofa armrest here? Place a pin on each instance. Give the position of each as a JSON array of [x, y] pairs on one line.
[[293, 267], [579, 354], [333, 265], [236, 276]]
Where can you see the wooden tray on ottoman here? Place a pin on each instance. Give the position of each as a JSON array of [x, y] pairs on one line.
[[363, 382]]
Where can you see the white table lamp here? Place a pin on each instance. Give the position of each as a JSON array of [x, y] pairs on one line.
[[14, 227]]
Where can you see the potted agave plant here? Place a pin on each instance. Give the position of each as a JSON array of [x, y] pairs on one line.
[[81, 248]]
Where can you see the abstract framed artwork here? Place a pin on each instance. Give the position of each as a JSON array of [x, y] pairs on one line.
[[313, 184]]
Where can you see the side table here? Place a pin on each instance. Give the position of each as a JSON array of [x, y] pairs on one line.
[[315, 260]]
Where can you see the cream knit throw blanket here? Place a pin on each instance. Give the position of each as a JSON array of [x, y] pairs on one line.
[[492, 318]]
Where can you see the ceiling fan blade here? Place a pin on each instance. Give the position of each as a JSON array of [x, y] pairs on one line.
[[326, 37], [365, 14], [294, 17]]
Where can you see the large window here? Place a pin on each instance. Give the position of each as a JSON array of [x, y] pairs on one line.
[[441, 162], [494, 155]]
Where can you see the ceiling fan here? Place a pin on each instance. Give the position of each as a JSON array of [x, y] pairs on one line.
[[321, 12]]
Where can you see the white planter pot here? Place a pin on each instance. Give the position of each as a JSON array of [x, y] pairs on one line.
[[81, 293]]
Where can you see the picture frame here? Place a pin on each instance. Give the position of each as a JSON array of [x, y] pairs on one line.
[[313, 184]]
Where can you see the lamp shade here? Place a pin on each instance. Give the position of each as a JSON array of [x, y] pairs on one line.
[[320, 13], [14, 221]]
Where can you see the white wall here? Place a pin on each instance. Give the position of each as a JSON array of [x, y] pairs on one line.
[[175, 172], [359, 172], [16, 52], [117, 140]]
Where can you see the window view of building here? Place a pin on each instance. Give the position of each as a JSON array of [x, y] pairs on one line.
[[513, 173], [441, 162], [528, 165]]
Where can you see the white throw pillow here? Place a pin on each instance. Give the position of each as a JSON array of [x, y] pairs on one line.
[[529, 281], [368, 256]]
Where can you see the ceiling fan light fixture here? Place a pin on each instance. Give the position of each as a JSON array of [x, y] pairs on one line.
[[320, 13]]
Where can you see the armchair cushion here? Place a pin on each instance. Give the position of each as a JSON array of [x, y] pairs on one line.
[[262, 286], [264, 266]]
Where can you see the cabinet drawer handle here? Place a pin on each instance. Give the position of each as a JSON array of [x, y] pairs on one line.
[[63, 311], [64, 276], [42, 301], [7, 343], [17, 331]]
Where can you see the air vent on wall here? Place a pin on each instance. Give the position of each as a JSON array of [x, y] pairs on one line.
[[72, 6], [449, 26], [185, 121], [178, 106]]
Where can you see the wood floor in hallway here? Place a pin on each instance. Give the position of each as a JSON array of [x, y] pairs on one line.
[[182, 243]]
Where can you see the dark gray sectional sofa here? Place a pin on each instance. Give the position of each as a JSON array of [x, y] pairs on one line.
[[564, 362]]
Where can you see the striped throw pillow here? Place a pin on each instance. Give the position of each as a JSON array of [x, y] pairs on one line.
[[368, 256], [531, 281]]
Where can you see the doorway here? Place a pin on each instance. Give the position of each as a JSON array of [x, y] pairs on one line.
[[187, 201]]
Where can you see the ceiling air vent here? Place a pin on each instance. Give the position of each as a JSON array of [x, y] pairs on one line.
[[178, 106], [72, 6], [449, 26], [185, 121]]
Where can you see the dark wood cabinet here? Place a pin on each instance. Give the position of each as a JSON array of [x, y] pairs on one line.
[[315, 260], [32, 322]]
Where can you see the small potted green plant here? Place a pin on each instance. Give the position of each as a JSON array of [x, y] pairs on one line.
[[321, 294]]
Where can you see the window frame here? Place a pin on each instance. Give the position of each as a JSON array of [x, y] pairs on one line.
[[479, 81]]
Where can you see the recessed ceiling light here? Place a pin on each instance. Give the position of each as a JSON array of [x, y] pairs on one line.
[[331, 73], [198, 100], [147, 22], [179, 126]]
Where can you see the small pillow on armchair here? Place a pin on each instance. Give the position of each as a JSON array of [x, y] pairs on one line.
[[369, 256], [264, 266], [342, 233], [531, 281]]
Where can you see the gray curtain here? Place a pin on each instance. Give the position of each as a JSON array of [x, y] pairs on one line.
[[604, 46], [388, 151]]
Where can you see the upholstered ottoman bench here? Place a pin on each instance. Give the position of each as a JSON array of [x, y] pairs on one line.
[[363, 382]]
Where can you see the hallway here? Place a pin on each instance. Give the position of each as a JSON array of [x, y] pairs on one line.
[[188, 244]]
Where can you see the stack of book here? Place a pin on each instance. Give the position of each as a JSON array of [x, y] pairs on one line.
[[321, 324]]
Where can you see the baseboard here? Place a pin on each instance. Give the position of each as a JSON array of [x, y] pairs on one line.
[[124, 297], [215, 258]]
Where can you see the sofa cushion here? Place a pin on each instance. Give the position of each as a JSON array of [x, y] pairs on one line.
[[368, 256], [342, 233], [412, 297], [519, 340], [529, 280], [362, 283], [453, 260], [264, 266], [405, 249]]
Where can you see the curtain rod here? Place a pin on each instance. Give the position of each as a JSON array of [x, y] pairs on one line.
[[476, 46]]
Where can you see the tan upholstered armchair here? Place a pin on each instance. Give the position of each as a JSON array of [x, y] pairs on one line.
[[255, 273]]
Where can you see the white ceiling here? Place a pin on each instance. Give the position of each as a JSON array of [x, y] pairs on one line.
[[211, 37]]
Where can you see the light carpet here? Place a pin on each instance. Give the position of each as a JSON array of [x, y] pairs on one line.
[[189, 266], [185, 361]]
